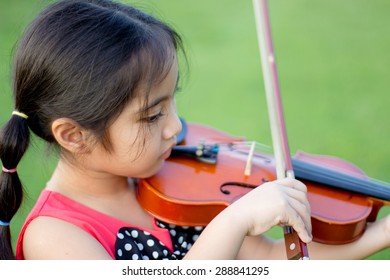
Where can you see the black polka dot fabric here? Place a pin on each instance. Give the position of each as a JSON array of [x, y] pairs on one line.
[[135, 244]]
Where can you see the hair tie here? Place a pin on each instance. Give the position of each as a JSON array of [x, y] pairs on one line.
[[4, 224], [13, 170], [24, 116]]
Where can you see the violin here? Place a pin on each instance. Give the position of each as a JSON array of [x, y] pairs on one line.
[[211, 169], [206, 173]]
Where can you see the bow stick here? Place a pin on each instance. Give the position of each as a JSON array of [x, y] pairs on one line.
[[295, 248]]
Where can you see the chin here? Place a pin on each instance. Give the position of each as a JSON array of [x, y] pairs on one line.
[[152, 171]]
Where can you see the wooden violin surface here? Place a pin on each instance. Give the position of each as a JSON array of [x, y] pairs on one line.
[[190, 192]]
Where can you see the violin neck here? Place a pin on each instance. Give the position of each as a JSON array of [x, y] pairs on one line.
[[336, 179]]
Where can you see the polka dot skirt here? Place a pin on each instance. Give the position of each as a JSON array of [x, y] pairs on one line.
[[135, 244]]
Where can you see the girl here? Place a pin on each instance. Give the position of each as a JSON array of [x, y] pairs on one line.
[[97, 79]]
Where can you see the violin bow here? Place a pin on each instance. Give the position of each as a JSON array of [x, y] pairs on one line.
[[295, 248]]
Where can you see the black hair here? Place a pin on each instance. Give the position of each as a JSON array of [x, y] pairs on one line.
[[83, 60]]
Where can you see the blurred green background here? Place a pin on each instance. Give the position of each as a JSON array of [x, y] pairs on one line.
[[333, 63]]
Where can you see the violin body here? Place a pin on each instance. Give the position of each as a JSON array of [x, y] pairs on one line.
[[190, 192]]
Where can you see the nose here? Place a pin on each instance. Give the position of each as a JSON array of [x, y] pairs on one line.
[[173, 126]]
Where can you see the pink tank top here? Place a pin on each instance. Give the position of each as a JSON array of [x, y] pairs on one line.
[[101, 226]]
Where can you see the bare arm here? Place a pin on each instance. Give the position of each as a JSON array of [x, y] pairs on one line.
[[48, 238], [375, 238], [253, 214]]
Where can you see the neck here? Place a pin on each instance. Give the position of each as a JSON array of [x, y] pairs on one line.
[[71, 180], [113, 195]]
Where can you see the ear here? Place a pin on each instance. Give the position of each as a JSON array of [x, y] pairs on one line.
[[71, 136]]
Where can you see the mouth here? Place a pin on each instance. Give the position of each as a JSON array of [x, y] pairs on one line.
[[167, 153]]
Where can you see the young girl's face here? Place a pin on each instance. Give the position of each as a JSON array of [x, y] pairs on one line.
[[138, 152]]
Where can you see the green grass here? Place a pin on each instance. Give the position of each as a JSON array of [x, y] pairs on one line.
[[332, 57]]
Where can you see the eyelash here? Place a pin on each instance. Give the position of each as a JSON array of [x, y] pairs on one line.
[[154, 118]]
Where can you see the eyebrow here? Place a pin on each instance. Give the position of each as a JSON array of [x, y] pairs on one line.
[[160, 99]]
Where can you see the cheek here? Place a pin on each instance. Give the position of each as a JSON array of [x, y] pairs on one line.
[[149, 160], [126, 142], [146, 164], [137, 148], [137, 153]]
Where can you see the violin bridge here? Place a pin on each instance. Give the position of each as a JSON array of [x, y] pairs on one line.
[[248, 167]]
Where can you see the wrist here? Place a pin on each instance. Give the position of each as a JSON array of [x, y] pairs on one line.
[[221, 239]]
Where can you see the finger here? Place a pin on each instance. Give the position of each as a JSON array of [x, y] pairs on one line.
[[303, 211], [292, 183], [297, 222], [299, 196]]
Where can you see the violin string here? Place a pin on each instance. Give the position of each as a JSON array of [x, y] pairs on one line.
[[245, 147], [349, 172], [373, 187], [246, 144], [379, 181]]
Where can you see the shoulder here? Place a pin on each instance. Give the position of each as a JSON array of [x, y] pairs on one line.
[[51, 238]]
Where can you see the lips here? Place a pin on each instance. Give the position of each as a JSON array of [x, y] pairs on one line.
[[167, 153]]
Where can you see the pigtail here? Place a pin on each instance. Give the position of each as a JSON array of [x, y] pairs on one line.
[[84, 60], [14, 141]]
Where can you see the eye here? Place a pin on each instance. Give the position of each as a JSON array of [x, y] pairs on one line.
[[154, 118]]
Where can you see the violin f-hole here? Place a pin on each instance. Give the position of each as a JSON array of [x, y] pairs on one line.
[[234, 184]]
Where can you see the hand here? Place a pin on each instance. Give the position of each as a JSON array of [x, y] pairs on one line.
[[274, 203]]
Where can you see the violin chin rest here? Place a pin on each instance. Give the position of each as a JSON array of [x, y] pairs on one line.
[[182, 134]]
